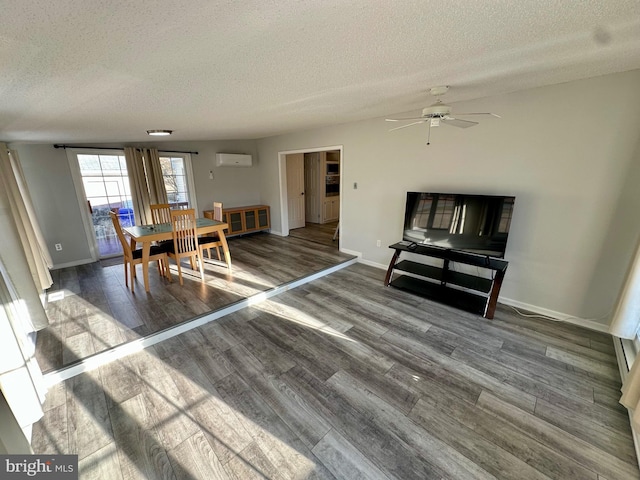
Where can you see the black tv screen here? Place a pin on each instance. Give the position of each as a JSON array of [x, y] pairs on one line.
[[471, 223]]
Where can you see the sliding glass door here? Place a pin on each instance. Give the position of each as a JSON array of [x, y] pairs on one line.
[[106, 189]]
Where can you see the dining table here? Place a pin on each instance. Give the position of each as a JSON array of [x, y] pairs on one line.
[[147, 234]]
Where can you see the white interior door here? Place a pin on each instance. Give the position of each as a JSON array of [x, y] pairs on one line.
[[312, 187], [295, 190]]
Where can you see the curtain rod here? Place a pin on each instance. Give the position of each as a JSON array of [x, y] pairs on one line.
[[58, 145]]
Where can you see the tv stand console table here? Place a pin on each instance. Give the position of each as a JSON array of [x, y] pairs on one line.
[[473, 293]]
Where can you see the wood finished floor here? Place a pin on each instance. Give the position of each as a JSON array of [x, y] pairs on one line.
[[317, 232], [99, 312], [344, 378]]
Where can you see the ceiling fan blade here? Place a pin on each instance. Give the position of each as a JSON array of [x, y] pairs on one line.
[[402, 119], [407, 125], [480, 113], [456, 122]]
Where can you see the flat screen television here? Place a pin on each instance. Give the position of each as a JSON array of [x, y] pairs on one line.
[[470, 223]]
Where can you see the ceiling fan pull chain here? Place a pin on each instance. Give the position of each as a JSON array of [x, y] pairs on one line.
[[428, 133]]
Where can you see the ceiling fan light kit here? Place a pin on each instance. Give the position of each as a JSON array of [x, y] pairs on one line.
[[438, 113], [435, 91], [438, 109], [159, 133]]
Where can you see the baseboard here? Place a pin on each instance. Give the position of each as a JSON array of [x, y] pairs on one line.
[[379, 266], [73, 264], [563, 317], [352, 252]]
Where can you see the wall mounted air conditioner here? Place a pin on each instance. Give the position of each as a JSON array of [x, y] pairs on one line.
[[233, 160]]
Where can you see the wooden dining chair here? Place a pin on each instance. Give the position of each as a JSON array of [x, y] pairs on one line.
[[185, 240], [134, 257], [212, 241], [160, 213]]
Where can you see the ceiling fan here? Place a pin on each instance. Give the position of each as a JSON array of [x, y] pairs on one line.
[[438, 113]]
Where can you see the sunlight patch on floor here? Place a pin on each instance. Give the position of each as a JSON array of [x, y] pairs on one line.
[[299, 317]]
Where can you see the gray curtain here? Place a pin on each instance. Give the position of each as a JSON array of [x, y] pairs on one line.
[[146, 181]]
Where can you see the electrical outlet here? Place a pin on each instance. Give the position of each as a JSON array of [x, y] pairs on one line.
[[378, 243], [58, 247]]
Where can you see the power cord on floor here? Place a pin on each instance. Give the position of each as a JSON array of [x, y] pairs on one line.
[[536, 315]]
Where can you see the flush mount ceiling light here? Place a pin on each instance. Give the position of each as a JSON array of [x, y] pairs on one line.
[[159, 133]]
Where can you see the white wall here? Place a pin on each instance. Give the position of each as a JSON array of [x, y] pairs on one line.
[[569, 153], [231, 186]]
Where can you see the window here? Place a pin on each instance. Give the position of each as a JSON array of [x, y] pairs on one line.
[[176, 179]]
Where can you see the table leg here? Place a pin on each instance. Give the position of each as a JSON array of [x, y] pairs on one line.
[[225, 249], [146, 248]]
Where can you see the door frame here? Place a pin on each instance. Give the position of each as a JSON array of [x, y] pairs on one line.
[[282, 174]]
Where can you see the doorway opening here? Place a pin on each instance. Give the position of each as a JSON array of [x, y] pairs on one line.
[[310, 187]]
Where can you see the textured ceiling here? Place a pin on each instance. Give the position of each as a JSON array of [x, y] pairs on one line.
[[97, 71]]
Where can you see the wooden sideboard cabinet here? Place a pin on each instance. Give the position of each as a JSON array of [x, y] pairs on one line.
[[241, 220]]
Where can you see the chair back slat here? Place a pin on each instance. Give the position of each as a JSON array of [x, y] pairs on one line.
[[160, 213], [217, 211], [183, 224], [126, 247]]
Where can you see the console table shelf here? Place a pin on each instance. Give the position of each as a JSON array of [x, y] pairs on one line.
[[473, 293]]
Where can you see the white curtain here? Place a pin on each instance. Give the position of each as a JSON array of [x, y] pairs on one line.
[[21, 208], [138, 184], [145, 179], [157, 190], [626, 316], [624, 324], [24, 273], [23, 251], [21, 380], [631, 393]]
